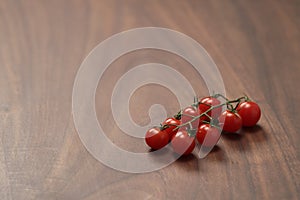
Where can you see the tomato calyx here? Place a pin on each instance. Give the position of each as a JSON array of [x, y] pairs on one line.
[[192, 132], [163, 126], [231, 105], [204, 118], [215, 123], [178, 115], [182, 143]]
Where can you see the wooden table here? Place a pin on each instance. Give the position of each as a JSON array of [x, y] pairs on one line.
[[255, 44]]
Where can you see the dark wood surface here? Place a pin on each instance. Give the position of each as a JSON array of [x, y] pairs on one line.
[[255, 44]]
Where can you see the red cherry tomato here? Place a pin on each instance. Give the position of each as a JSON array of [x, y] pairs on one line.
[[208, 135], [206, 103], [156, 138], [187, 115], [249, 112], [232, 121], [182, 143], [172, 123]]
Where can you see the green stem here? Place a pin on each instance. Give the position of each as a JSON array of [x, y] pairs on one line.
[[228, 102], [220, 95]]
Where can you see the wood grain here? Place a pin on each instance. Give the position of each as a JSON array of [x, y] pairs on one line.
[[255, 44]]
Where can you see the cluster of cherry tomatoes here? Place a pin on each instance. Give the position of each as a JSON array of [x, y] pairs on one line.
[[203, 122]]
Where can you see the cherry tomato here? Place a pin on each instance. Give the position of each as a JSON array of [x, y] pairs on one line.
[[232, 121], [182, 143], [208, 135], [156, 138], [172, 123], [249, 112], [206, 103], [187, 115]]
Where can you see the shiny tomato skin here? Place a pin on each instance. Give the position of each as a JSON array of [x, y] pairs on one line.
[[156, 138], [208, 135], [232, 122], [182, 143], [187, 115], [249, 112], [206, 103], [172, 123]]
